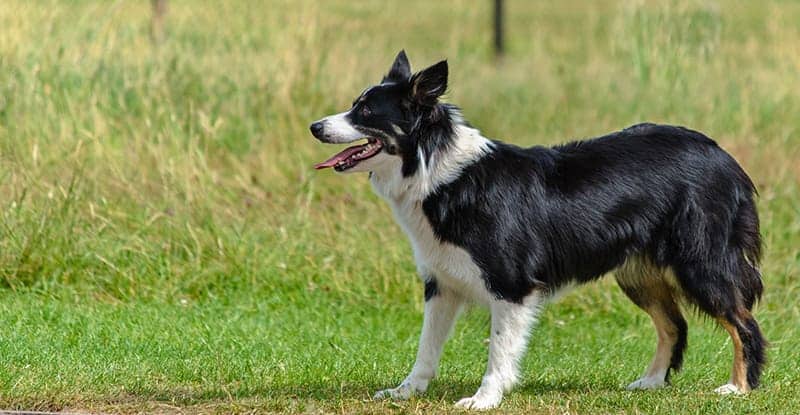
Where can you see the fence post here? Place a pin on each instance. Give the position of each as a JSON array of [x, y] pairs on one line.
[[157, 20], [499, 46]]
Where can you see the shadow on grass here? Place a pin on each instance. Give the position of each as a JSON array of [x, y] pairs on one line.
[[443, 393], [440, 389], [568, 386], [295, 397]]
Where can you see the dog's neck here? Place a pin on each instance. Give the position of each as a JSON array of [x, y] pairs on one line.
[[440, 167]]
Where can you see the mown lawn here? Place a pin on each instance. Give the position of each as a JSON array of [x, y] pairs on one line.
[[165, 245]]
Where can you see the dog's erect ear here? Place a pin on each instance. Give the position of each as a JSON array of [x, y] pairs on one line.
[[401, 69], [429, 84]]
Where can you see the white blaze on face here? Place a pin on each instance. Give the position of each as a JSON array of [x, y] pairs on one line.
[[338, 129]]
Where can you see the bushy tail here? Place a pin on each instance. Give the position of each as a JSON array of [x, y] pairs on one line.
[[754, 347], [748, 238]]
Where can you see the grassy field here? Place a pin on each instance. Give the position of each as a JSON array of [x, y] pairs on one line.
[[165, 245]]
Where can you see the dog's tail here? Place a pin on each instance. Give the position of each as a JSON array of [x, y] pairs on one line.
[[747, 240]]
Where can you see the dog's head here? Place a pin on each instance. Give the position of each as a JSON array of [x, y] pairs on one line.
[[391, 116]]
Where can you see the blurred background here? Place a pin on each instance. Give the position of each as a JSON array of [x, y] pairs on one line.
[[155, 163]]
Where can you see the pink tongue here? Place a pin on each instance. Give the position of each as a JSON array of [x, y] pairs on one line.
[[341, 156]]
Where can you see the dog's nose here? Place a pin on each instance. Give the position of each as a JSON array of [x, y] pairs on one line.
[[316, 129]]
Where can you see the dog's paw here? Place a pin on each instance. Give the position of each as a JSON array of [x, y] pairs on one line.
[[647, 383], [728, 389], [481, 401], [402, 392]]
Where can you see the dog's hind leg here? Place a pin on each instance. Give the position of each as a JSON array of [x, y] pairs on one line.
[[748, 352], [441, 309], [729, 303], [511, 324], [671, 329], [649, 288]]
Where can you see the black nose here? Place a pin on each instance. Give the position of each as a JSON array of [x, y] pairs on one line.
[[316, 129]]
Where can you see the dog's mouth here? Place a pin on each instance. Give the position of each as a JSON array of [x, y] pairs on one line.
[[351, 156]]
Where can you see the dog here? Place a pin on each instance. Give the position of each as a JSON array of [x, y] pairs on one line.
[[664, 208]]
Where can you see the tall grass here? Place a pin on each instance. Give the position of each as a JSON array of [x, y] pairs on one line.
[[119, 154]]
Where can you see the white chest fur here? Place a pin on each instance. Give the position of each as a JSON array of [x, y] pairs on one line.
[[451, 265]]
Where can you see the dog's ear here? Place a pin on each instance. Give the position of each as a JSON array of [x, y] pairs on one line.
[[429, 84], [401, 69]]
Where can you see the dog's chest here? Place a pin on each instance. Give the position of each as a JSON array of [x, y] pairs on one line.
[[450, 265]]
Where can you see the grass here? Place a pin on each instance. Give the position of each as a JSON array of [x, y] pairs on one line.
[[165, 245]]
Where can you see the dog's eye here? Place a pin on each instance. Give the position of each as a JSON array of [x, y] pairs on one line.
[[365, 111]]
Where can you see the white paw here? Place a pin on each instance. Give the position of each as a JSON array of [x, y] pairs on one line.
[[647, 383], [480, 401], [402, 392], [728, 389]]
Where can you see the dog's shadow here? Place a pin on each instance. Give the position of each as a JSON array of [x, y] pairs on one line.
[[321, 393], [440, 389]]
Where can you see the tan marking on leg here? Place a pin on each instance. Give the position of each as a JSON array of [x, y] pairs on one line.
[[667, 336], [739, 371], [645, 283], [649, 287]]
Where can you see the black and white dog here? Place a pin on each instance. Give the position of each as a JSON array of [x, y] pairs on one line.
[[663, 207]]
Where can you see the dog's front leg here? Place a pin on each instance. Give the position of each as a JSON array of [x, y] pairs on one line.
[[441, 309], [511, 323]]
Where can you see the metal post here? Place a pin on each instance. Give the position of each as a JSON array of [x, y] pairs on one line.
[[499, 47], [157, 20]]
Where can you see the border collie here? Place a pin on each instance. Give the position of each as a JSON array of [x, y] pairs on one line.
[[663, 207]]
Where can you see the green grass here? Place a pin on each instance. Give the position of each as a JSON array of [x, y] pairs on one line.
[[165, 245]]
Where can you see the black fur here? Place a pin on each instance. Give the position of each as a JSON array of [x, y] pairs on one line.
[[431, 289], [575, 212], [676, 360], [754, 350]]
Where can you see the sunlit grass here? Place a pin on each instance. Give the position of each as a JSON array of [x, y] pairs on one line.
[[165, 243]]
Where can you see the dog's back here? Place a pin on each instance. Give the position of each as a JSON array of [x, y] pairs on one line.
[[577, 211]]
